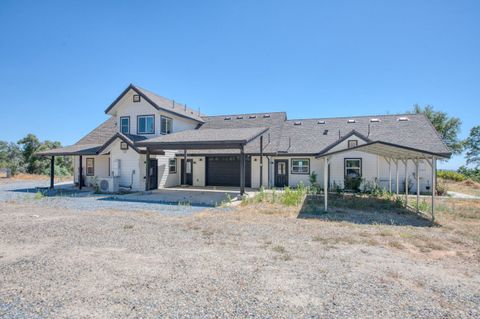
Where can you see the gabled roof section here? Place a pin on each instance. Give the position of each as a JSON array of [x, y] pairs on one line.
[[160, 103], [350, 134], [130, 139]]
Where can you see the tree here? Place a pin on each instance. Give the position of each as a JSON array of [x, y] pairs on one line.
[[472, 145], [448, 127], [11, 157], [30, 144]]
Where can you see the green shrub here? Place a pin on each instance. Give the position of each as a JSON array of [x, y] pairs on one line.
[[451, 175], [293, 197]]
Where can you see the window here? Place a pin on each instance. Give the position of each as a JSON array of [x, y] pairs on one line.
[[353, 168], [145, 124], [125, 124], [136, 98], [172, 166], [123, 146], [352, 143], [90, 167], [166, 125], [300, 166]]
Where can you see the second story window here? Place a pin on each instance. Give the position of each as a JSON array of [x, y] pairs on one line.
[[125, 125], [166, 125], [145, 124]]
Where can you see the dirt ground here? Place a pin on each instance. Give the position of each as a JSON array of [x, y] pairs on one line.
[[257, 260]]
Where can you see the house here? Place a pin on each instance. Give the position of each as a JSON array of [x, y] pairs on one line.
[[151, 142]]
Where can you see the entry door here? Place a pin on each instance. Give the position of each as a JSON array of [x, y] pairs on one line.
[[153, 174], [189, 172], [281, 173]]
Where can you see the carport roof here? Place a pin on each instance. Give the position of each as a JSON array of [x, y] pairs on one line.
[[389, 150], [225, 138]]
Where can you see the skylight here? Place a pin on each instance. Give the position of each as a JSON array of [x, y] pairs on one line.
[[228, 118], [351, 121], [374, 120], [321, 122], [266, 115], [297, 123], [239, 117], [252, 116], [402, 119]]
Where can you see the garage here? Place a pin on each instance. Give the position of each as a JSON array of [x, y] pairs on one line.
[[225, 171]]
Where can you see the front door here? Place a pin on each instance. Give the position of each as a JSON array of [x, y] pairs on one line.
[[189, 172], [281, 173], [153, 174]]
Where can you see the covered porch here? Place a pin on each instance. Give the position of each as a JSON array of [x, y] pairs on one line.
[[393, 154], [206, 139]]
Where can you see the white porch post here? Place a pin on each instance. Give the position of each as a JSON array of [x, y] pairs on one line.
[[434, 186], [389, 175], [418, 183], [325, 182], [397, 173], [378, 171], [406, 182]]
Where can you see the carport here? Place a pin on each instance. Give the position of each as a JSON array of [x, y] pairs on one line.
[[211, 139], [393, 154]]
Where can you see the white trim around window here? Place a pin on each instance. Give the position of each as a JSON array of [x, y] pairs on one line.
[[148, 125], [166, 125], [300, 166], [172, 166], [125, 124]]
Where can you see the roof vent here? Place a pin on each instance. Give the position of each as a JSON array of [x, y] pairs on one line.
[[321, 122], [374, 120], [325, 132], [402, 119], [239, 117], [351, 121], [252, 116], [266, 115], [297, 123], [228, 118]]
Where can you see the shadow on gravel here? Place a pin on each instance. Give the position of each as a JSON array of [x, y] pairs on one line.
[[361, 210]]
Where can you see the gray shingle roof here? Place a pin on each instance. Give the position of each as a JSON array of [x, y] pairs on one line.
[[417, 132], [213, 137]]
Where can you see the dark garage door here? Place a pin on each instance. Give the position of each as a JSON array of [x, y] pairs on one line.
[[225, 171]]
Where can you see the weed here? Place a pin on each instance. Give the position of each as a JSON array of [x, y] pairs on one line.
[[128, 226], [279, 249], [396, 244], [38, 195]]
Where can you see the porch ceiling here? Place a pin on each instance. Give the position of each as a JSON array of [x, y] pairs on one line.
[[389, 150], [204, 139]]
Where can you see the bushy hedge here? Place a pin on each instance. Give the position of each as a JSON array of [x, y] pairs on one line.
[[451, 175]]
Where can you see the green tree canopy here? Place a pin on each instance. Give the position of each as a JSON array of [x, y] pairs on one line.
[[448, 127], [472, 145]]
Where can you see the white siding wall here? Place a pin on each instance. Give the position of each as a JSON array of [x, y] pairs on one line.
[[101, 167], [132, 166], [256, 172], [198, 171], [165, 178], [126, 107]]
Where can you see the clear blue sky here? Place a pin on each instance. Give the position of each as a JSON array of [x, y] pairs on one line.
[[62, 63]]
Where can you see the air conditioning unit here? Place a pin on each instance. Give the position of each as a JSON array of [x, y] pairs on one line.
[[108, 184]]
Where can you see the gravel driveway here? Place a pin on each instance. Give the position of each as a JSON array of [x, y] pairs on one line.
[[59, 263]]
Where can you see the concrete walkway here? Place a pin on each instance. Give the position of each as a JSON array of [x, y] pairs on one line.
[[462, 195]]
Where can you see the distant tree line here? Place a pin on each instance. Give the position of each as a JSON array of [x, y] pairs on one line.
[[20, 157]]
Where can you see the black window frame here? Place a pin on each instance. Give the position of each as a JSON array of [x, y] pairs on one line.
[[161, 124], [138, 126], [299, 159], [170, 165], [354, 159], [87, 167], [354, 141], [121, 126]]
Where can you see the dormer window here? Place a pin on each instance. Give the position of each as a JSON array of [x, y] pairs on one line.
[[125, 124], [136, 98], [166, 125], [352, 143], [145, 124]]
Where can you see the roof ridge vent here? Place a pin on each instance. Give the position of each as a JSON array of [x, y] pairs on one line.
[[227, 118], [375, 120], [239, 117], [403, 119], [297, 123], [252, 116], [351, 121], [321, 122], [266, 115]]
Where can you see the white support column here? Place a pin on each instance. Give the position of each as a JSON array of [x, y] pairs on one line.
[[406, 182], [397, 176], [389, 175], [418, 183], [378, 171], [325, 182], [434, 186]]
